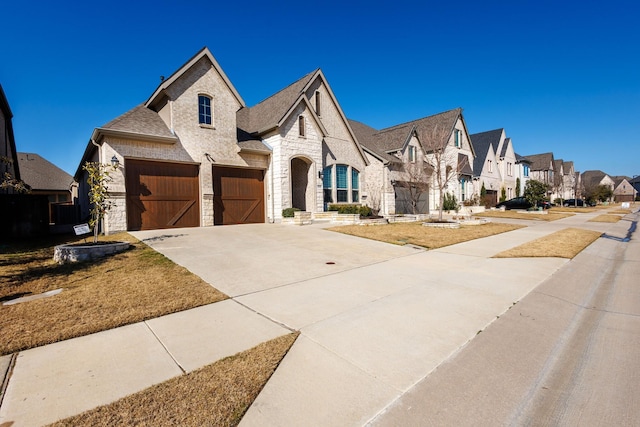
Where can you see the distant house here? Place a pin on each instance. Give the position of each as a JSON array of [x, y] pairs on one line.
[[592, 179], [542, 169], [401, 174], [523, 168], [569, 182], [623, 191], [194, 154], [635, 182], [47, 179], [495, 165], [9, 167]]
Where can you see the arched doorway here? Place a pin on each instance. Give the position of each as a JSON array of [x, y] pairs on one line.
[[301, 191]]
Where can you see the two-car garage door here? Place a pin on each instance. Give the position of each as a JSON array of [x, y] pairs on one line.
[[166, 195]]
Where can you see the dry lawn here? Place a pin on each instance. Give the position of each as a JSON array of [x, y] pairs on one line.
[[565, 243], [129, 287], [414, 233], [550, 216], [606, 218], [216, 395], [562, 209], [620, 211]]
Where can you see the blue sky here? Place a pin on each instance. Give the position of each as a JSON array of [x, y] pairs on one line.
[[557, 77]]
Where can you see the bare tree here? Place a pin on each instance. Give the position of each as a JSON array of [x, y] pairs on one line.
[[443, 160], [558, 185], [415, 180], [374, 196], [7, 180]]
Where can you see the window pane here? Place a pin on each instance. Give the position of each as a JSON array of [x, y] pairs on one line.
[[204, 109], [354, 196], [326, 177], [341, 177], [354, 179], [328, 197], [342, 196]]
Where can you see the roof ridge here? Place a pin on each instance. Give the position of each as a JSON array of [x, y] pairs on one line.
[[286, 87], [458, 109]]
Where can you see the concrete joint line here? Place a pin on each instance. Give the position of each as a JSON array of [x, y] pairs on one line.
[[585, 307], [264, 316], [165, 348], [7, 375]]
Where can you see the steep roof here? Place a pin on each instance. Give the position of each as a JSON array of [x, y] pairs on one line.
[[557, 165], [8, 115], [618, 179], [482, 142], [505, 146], [267, 114], [463, 160], [389, 140], [40, 174], [592, 177], [522, 159], [540, 162], [568, 167]]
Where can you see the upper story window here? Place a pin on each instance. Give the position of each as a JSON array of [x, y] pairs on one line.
[[412, 154], [490, 163], [318, 102], [525, 170], [301, 126], [457, 138], [509, 168], [205, 114]]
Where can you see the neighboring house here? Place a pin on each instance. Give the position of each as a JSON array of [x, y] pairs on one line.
[[635, 182], [623, 191], [523, 167], [47, 179], [402, 161], [9, 167], [542, 169], [569, 183], [494, 165], [195, 155], [592, 179]]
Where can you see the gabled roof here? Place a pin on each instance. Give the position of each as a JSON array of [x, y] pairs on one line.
[[203, 53], [558, 165], [540, 162], [505, 147], [40, 174], [141, 122], [269, 113], [483, 142], [463, 160], [568, 167], [387, 141], [617, 180], [592, 177], [364, 134]]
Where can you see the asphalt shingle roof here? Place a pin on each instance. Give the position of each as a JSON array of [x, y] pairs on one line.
[[593, 177], [40, 174], [540, 162], [140, 120], [481, 142]]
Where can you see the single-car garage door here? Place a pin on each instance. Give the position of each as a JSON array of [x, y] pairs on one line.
[[238, 195], [161, 195]]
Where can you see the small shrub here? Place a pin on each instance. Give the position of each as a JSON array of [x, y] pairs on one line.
[[289, 212], [558, 201], [351, 209], [473, 201], [449, 202]]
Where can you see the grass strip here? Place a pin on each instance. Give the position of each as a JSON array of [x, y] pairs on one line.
[[534, 216], [566, 243], [126, 288], [605, 218], [577, 209], [415, 234], [620, 211], [216, 395]]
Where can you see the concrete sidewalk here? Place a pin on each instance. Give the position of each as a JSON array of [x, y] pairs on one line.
[[375, 319]]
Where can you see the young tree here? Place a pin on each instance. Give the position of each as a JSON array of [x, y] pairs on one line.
[[503, 194], [535, 191], [518, 187], [442, 159], [97, 179], [374, 191]]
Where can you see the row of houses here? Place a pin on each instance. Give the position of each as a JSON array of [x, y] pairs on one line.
[[194, 154]]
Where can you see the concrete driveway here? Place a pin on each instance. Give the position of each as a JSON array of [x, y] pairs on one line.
[[375, 319]]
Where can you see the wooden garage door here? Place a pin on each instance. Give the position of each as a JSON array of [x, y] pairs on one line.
[[161, 195], [238, 196]]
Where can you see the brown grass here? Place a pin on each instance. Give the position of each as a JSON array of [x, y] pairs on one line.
[[606, 218], [565, 243], [620, 211], [579, 209], [129, 287], [216, 395], [550, 216], [414, 233]]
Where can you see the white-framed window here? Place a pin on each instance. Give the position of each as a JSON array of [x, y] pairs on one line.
[[412, 154], [525, 170], [346, 186], [205, 110], [457, 137], [318, 97], [490, 165], [509, 168], [301, 126]]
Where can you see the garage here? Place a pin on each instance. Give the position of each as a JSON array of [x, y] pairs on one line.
[[161, 195], [238, 195]]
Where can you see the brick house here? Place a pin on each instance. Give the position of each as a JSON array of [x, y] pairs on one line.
[[623, 191], [401, 175], [495, 164], [195, 155]]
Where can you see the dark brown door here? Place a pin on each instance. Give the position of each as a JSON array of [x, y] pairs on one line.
[[161, 195], [238, 196]]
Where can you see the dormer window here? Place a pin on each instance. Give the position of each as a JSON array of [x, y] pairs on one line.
[[205, 116], [318, 102], [301, 126]]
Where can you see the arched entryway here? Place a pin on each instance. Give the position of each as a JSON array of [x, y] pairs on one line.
[[301, 185]]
